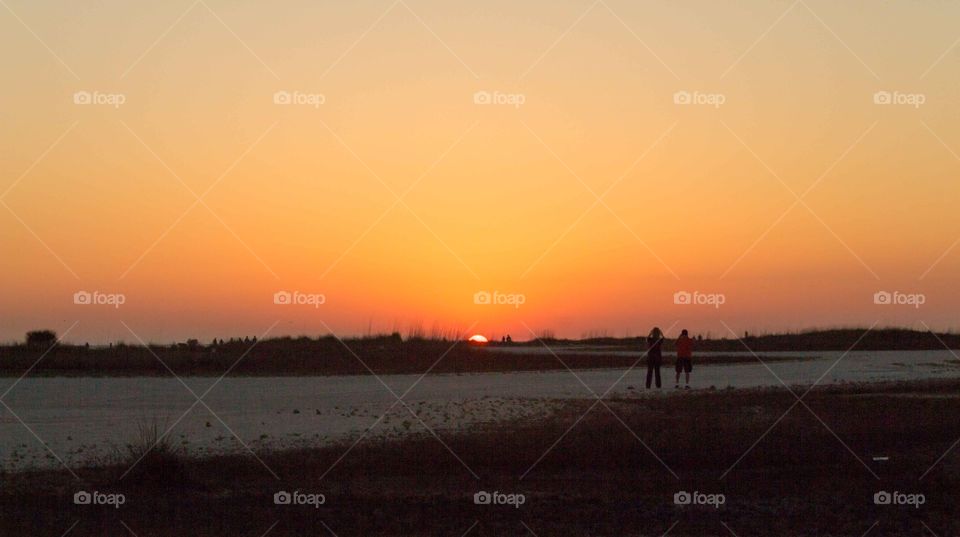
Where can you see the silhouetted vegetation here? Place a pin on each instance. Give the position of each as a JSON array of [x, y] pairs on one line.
[[386, 354], [41, 338]]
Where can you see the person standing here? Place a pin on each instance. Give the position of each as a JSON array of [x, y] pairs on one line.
[[684, 358], [654, 355]]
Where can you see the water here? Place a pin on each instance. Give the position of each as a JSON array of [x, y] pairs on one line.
[[89, 419]]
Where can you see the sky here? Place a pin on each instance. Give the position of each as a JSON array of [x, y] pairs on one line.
[[205, 168]]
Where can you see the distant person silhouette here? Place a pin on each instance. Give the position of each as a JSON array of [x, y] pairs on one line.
[[509, 339], [684, 357], [654, 355]]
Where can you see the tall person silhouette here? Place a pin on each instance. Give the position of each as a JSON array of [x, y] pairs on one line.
[[654, 355]]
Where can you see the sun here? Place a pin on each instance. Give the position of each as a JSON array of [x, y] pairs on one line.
[[478, 339]]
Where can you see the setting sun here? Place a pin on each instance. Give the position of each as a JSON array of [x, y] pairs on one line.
[[477, 338]]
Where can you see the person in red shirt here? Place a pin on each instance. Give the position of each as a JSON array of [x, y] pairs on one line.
[[684, 357]]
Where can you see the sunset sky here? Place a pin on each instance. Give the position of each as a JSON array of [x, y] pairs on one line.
[[398, 197]]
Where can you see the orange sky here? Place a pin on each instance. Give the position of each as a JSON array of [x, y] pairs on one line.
[[398, 198]]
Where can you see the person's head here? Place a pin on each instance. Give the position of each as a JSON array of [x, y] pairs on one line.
[[683, 332], [656, 333]]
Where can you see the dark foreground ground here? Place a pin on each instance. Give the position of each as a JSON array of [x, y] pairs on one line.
[[615, 472]]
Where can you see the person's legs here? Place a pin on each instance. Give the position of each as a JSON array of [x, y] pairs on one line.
[[688, 377], [649, 373], [676, 383], [658, 375]]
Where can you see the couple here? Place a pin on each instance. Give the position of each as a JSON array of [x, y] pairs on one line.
[[655, 356]]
